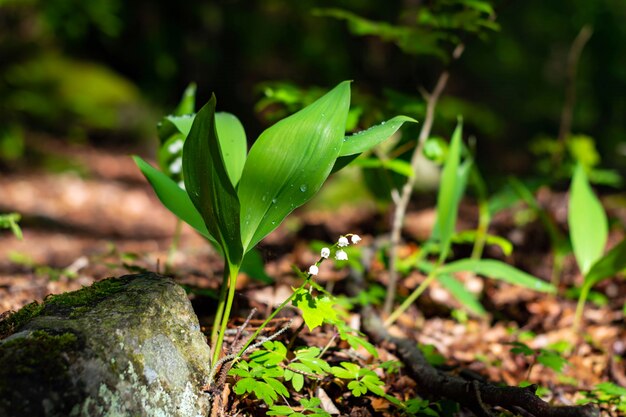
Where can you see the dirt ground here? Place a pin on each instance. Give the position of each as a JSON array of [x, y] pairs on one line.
[[104, 220]]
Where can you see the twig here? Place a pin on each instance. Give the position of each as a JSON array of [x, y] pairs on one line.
[[570, 87], [474, 395], [402, 201]]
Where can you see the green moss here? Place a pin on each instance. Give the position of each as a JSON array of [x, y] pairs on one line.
[[14, 321], [40, 356], [72, 304]]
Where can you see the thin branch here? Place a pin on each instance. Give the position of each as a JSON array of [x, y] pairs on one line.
[[402, 201], [570, 84]]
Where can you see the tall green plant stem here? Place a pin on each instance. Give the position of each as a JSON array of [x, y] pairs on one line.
[[217, 321], [411, 298], [233, 272], [402, 200], [580, 307]]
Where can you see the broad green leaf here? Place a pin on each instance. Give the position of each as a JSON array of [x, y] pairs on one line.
[[289, 162], [458, 291], [174, 198], [587, 222], [609, 265], [208, 184], [233, 143], [232, 139], [497, 270], [365, 140], [449, 195]]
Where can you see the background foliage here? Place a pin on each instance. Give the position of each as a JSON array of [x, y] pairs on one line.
[[89, 68]]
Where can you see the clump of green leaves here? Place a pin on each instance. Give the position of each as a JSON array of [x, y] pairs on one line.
[[609, 395], [235, 198], [454, 178], [589, 230], [549, 358]]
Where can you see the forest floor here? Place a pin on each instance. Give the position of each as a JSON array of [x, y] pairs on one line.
[[102, 219]]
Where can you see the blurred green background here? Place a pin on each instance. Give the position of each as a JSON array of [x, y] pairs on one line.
[[104, 71]]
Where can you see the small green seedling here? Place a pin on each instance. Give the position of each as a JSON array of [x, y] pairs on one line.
[[10, 221], [610, 396], [454, 178], [549, 358], [588, 228], [362, 380], [235, 198]]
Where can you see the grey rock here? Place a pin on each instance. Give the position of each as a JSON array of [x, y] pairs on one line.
[[129, 346]]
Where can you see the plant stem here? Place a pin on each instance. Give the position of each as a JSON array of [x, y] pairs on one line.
[[411, 298], [570, 88], [403, 201], [580, 307], [219, 313], [271, 316], [233, 272], [174, 245]]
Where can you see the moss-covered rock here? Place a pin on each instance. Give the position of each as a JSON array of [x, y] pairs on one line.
[[129, 346]]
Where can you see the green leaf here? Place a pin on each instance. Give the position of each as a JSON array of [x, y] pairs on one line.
[[276, 352], [469, 236], [173, 197], [449, 196], [373, 384], [233, 143], [280, 410], [365, 140], [587, 222], [347, 370], [231, 136], [551, 360], [609, 265], [289, 162], [497, 270], [357, 388], [187, 103], [297, 381], [398, 166], [277, 386], [411, 39], [252, 264], [208, 184], [182, 123], [458, 291], [314, 309], [521, 349]]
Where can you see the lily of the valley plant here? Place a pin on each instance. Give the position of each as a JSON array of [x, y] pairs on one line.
[[235, 198]]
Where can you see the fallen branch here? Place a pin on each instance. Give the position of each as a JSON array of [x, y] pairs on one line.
[[474, 395]]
